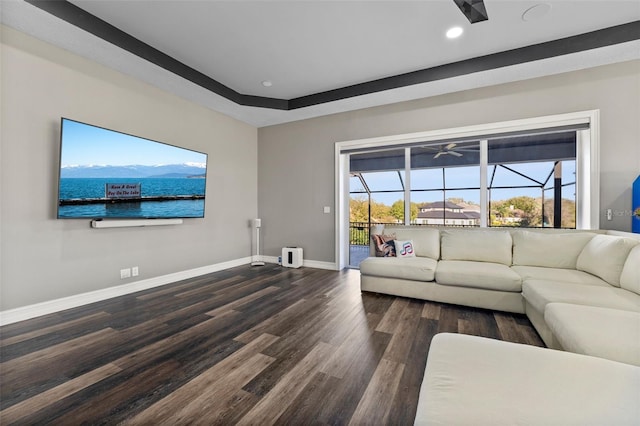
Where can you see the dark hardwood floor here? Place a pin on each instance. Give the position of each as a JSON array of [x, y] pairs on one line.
[[263, 345]]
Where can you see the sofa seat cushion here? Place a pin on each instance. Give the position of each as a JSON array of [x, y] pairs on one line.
[[408, 268], [557, 274], [539, 293], [603, 332], [485, 275], [473, 380]]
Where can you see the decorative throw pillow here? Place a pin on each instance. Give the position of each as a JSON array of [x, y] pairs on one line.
[[404, 248], [389, 249], [380, 244]]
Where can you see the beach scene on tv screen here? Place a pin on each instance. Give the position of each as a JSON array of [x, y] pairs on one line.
[[107, 174]]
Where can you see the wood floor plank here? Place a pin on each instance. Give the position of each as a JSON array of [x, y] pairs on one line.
[[431, 310], [162, 348], [243, 300], [403, 409], [121, 398], [211, 282], [211, 378], [448, 319], [375, 303], [375, 405], [405, 333], [18, 411], [341, 401], [247, 345], [389, 322], [39, 332], [274, 403], [310, 401], [467, 327], [508, 328], [343, 321], [347, 352], [218, 399], [289, 350], [30, 374], [485, 323], [287, 315], [212, 390], [531, 336]]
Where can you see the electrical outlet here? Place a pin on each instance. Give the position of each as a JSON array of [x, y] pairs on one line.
[[125, 273], [134, 271]]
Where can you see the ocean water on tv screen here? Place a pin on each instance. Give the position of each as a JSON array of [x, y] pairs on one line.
[[92, 188]]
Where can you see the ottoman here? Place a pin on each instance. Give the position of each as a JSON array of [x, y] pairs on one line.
[[478, 381]]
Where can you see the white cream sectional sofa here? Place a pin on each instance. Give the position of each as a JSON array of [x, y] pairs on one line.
[[580, 289]]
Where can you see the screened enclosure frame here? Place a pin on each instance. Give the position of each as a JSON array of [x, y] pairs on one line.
[[542, 186]]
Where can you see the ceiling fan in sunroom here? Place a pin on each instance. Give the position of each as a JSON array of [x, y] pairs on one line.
[[451, 149], [447, 150]]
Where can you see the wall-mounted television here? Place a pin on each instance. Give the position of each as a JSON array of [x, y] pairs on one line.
[[108, 174]]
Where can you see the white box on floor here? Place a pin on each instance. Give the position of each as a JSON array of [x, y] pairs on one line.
[[292, 257]]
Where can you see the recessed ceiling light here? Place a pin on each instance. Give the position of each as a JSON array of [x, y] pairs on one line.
[[267, 83], [536, 12], [454, 32]]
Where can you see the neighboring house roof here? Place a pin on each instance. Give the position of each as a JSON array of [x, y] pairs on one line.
[[448, 210], [440, 214], [441, 205]]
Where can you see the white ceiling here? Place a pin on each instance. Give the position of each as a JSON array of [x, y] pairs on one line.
[[306, 47]]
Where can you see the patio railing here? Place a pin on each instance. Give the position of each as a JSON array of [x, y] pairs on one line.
[[359, 232]]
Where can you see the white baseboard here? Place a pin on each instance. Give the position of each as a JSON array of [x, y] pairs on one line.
[[44, 308], [306, 263]]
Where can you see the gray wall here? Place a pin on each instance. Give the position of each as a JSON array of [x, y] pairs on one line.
[[284, 172], [43, 258], [296, 160]]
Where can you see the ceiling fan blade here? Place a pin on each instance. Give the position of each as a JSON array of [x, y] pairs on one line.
[[457, 154], [451, 146], [439, 154], [473, 10]]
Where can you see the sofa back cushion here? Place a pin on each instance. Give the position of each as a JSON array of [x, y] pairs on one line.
[[426, 241], [630, 277], [549, 250], [605, 256], [476, 245]]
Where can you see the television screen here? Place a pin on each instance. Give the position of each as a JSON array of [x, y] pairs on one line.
[[109, 174]]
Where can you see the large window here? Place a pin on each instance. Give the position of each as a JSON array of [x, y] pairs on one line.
[[530, 181]]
